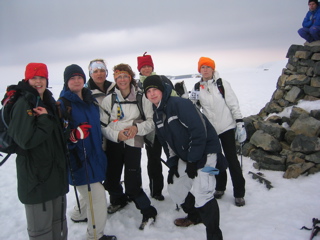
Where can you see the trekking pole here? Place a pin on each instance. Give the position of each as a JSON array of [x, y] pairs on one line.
[[89, 192], [73, 180]]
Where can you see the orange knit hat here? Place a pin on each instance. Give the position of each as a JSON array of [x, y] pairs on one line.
[[206, 61]]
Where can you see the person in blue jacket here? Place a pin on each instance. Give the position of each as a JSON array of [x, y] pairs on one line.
[[192, 148], [310, 30], [88, 162]]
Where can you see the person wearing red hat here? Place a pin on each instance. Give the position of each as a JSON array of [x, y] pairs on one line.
[[222, 108], [41, 158], [310, 30]]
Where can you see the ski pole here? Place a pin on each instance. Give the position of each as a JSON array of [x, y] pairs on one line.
[[89, 192]]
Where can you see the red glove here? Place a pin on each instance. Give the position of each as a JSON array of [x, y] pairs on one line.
[[81, 132]]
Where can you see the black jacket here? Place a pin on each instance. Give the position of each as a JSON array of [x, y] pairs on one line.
[[185, 130]]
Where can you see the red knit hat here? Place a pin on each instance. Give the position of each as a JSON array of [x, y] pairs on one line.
[[36, 69], [144, 60], [207, 62]]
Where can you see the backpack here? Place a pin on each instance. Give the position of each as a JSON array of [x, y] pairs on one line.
[[219, 86], [7, 145], [138, 101]]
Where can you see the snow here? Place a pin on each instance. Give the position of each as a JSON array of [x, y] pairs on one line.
[[276, 214]]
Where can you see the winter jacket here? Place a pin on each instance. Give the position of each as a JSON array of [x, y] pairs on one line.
[[96, 91], [99, 95], [42, 168], [131, 116], [183, 131], [221, 112], [312, 18], [87, 155]]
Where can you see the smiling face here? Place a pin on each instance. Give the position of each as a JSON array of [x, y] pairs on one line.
[[154, 95], [39, 83], [123, 81], [75, 84], [146, 70]]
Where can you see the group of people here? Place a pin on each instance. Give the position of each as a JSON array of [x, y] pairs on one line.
[[95, 132]]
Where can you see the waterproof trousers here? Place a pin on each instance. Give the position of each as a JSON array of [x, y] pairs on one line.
[[129, 158], [310, 34], [229, 148], [98, 205], [47, 221], [195, 196], [155, 168]]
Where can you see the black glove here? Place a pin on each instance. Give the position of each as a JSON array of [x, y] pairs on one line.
[[191, 170], [172, 171]]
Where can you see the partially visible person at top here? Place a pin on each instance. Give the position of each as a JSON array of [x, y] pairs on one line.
[[310, 30], [100, 87], [193, 149], [42, 161], [223, 111], [88, 161], [125, 133]]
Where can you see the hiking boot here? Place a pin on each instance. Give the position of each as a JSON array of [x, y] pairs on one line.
[[108, 237], [184, 222], [114, 208], [78, 217], [150, 212], [218, 194], [158, 197], [239, 202]]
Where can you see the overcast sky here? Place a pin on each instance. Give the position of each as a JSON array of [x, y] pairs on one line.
[[244, 33]]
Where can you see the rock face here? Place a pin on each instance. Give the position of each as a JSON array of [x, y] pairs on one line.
[[290, 144]]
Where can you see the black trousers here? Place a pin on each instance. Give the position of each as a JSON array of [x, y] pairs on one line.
[[229, 148], [155, 168], [121, 155], [209, 215]]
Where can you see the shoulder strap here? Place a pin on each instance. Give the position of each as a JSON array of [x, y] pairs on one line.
[[197, 86], [65, 115], [220, 86], [139, 104]]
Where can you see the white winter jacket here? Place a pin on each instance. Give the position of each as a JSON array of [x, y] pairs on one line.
[[221, 112], [131, 116]]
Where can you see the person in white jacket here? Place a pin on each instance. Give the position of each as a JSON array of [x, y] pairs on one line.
[[221, 107], [125, 131]]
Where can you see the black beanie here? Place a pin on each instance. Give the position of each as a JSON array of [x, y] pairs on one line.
[[153, 81], [73, 70], [315, 1]]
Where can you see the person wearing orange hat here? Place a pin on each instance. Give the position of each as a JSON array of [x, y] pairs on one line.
[[220, 105], [41, 160]]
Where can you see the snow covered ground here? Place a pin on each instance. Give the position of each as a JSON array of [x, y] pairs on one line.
[[276, 214]]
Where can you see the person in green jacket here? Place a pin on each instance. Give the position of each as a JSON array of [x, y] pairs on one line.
[[42, 160]]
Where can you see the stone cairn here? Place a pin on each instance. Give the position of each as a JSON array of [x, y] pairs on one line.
[[289, 144]]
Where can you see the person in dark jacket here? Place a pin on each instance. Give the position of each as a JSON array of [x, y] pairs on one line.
[[100, 87], [192, 147], [310, 30], [87, 158], [41, 162]]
